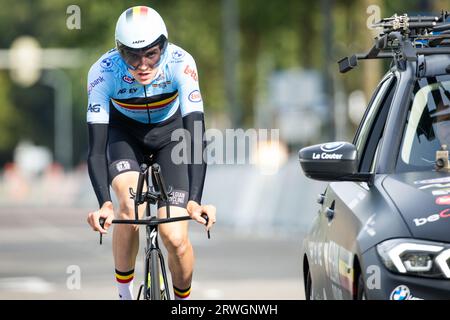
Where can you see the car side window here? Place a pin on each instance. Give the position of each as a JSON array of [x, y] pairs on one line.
[[427, 126], [371, 128]]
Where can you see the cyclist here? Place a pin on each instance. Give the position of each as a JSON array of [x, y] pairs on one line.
[[138, 94]]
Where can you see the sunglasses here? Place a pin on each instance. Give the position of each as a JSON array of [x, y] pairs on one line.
[[133, 58]]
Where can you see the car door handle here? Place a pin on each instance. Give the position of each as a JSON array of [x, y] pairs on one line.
[[321, 198], [329, 211]]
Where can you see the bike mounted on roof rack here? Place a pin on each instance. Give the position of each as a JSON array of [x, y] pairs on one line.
[[405, 38]]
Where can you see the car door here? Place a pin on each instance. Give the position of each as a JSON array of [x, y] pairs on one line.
[[314, 247], [344, 200]]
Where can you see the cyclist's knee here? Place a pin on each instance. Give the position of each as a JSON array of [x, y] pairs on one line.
[[177, 243], [126, 209]]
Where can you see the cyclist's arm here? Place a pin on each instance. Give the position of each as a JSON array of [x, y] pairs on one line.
[[100, 86], [97, 164], [191, 105], [196, 170]]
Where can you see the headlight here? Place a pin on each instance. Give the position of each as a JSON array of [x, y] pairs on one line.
[[416, 257]]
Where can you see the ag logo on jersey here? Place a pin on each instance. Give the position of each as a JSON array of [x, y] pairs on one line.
[[195, 96], [94, 108], [106, 63]]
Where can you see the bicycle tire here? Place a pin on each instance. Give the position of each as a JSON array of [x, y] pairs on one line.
[[155, 291]]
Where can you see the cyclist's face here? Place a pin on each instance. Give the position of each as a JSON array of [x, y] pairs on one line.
[[145, 63]]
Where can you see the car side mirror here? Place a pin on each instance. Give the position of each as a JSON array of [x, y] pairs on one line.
[[334, 161]]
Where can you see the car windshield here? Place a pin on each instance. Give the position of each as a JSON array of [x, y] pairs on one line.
[[428, 125]]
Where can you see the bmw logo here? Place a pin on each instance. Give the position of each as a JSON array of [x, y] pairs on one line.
[[106, 63], [332, 146], [400, 293], [177, 54]]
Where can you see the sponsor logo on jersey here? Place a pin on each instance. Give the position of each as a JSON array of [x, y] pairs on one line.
[[125, 90], [191, 72], [195, 96], [94, 83], [163, 84], [128, 79], [106, 63], [160, 77], [177, 54], [94, 108]]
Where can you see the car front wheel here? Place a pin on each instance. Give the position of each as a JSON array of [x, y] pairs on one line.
[[361, 289], [308, 287]]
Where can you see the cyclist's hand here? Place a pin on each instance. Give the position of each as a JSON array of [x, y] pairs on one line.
[[195, 211], [106, 212]]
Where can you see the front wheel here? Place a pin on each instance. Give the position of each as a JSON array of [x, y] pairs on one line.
[[155, 291], [361, 289], [308, 287]]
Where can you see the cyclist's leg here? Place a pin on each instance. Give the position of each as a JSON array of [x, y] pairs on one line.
[[123, 159], [175, 235], [180, 251], [125, 236]]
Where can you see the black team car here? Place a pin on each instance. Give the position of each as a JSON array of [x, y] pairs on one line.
[[383, 227]]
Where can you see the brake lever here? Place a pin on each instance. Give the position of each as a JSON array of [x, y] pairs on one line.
[[205, 216]]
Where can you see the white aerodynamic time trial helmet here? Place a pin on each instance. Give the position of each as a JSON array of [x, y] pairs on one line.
[[138, 29]]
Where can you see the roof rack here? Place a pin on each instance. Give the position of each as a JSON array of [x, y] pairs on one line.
[[404, 38]]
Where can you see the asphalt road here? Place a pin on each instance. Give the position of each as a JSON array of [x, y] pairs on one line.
[[51, 253]]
